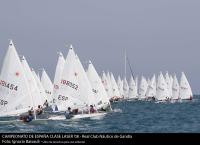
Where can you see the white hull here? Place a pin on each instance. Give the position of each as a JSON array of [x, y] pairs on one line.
[[161, 101], [132, 99], [16, 121], [78, 116], [187, 98], [142, 98]]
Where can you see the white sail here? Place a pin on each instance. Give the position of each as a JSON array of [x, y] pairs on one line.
[[110, 87], [84, 82], [185, 89], [15, 97], [39, 85], [34, 90], [132, 89], [148, 81], [67, 94], [175, 89], [105, 84], [169, 84], [58, 72], [47, 85], [125, 88], [151, 90], [143, 88], [74, 90], [120, 86], [162, 93], [171, 79], [114, 87], [136, 84], [97, 86]]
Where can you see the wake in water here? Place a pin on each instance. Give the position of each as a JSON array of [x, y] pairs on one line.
[[117, 110]]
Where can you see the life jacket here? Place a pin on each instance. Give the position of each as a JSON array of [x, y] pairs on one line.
[[27, 118], [92, 110], [56, 108], [39, 112], [68, 115]]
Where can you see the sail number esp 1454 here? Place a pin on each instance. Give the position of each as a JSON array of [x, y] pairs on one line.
[[8, 85]]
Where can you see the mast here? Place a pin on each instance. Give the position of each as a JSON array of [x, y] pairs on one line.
[[124, 63], [127, 60], [130, 68]]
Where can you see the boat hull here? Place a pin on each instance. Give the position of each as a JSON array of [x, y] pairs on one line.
[[78, 116]]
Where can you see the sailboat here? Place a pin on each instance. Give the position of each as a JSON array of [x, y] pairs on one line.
[[185, 89], [175, 89], [162, 93], [34, 90], [171, 79], [108, 76], [39, 85], [125, 89], [132, 89], [107, 85], [47, 85], [136, 85], [143, 88], [69, 94], [116, 93], [120, 86], [75, 90], [85, 83], [151, 90], [169, 84], [15, 94], [98, 89], [148, 81], [58, 73], [125, 82]]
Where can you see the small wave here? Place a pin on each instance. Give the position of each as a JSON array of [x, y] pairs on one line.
[[117, 110], [195, 100], [97, 117], [63, 124]]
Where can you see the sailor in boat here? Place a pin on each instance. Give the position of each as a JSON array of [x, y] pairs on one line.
[[75, 111], [39, 110], [46, 104], [27, 118], [86, 110], [104, 108], [69, 114], [167, 98], [190, 98], [92, 109], [54, 107]]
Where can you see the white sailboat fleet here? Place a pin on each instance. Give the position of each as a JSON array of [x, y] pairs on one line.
[[21, 89]]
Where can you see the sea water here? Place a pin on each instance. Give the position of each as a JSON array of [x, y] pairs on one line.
[[126, 117]]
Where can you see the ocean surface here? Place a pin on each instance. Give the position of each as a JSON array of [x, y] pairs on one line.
[[126, 117]]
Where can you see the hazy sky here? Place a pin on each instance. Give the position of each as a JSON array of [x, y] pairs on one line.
[[159, 35]]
